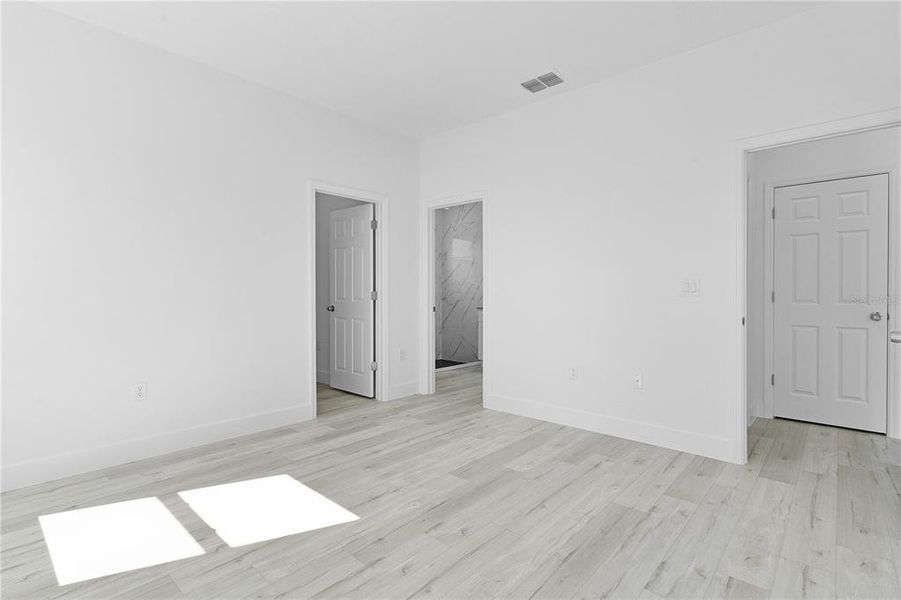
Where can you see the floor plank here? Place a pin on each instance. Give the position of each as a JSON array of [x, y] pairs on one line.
[[864, 564], [753, 552], [783, 463], [799, 580], [810, 531]]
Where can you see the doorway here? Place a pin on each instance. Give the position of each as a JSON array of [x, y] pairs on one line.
[[346, 297], [457, 303], [821, 279], [454, 275]]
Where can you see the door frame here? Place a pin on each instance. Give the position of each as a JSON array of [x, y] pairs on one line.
[[380, 204], [427, 284], [741, 148]]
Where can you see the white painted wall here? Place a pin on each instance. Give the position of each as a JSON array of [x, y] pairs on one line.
[[325, 203], [154, 229], [603, 199]]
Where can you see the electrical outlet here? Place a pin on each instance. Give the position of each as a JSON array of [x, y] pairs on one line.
[[140, 391], [403, 354], [573, 373], [637, 380]]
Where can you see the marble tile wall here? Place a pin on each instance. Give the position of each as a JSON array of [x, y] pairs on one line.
[[458, 285]]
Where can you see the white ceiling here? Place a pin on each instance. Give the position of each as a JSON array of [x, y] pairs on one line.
[[421, 68]]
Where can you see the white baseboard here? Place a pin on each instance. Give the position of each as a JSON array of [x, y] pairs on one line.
[[657, 435], [402, 390], [48, 468], [323, 377]]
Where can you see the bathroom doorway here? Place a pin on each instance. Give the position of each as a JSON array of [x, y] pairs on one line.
[[457, 270]]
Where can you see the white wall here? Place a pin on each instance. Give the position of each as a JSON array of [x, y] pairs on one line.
[[155, 229], [602, 200], [325, 203]]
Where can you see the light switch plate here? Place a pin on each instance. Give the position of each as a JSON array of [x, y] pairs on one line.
[[691, 288]]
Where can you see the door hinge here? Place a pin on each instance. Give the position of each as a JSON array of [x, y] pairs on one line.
[[773, 296], [373, 224], [774, 212], [374, 295], [742, 320], [373, 366], [772, 379]]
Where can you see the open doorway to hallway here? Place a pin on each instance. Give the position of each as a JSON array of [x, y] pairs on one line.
[[345, 298]]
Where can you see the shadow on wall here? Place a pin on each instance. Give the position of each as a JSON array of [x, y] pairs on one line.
[[458, 281]]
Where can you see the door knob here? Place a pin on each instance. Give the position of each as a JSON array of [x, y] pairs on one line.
[[875, 316], [895, 337], [331, 308]]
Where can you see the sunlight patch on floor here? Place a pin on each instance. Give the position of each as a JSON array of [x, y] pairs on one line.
[[114, 538], [263, 509]]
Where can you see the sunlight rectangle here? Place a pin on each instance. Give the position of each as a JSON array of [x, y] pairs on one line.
[[263, 509], [114, 538]]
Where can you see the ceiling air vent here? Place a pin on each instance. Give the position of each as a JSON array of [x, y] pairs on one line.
[[533, 85], [542, 82], [550, 79]]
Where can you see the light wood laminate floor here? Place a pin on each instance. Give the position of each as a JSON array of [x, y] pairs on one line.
[[460, 502], [329, 400]]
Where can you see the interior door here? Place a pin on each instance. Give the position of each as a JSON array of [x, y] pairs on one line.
[[351, 300], [831, 299]]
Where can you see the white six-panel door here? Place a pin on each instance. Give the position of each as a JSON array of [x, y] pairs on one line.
[[352, 311], [831, 296]]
